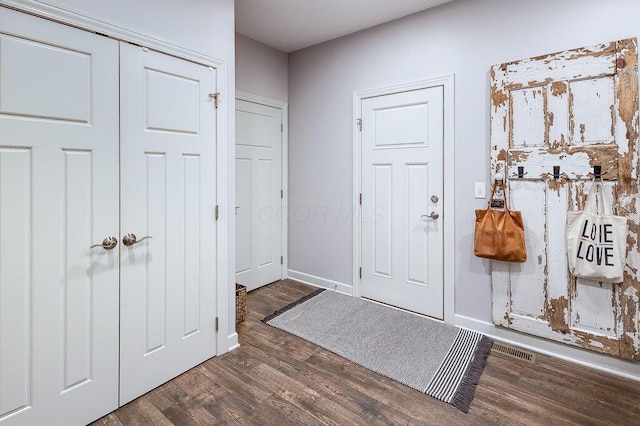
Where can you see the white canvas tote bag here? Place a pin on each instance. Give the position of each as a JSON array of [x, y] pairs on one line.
[[596, 239]]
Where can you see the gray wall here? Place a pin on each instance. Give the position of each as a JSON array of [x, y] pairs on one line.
[[463, 38], [260, 69]]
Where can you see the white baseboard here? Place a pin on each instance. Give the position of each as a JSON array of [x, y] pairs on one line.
[[320, 282], [604, 363], [232, 342]]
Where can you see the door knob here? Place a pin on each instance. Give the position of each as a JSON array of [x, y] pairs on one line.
[[131, 239], [108, 243], [434, 215]]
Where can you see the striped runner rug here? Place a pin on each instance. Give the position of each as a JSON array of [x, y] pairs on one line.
[[440, 360]]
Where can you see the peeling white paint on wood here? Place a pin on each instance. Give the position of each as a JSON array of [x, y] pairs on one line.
[[574, 164], [528, 124], [528, 279], [592, 114], [573, 109]]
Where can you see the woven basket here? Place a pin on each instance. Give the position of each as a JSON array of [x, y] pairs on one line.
[[241, 303]]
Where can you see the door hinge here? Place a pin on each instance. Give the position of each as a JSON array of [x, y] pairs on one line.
[[282, 260], [360, 272], [281, 193], [217, 213], [359, 123], [361, 198], [281, 127], [217, 323], [215, 97]]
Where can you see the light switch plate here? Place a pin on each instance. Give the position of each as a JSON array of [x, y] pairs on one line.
[[479, 191]]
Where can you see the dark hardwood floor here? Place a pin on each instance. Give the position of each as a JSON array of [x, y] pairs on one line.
[[275, 378]]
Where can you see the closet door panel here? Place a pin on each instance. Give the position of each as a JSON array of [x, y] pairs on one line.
[[58, 197], [168, 174]]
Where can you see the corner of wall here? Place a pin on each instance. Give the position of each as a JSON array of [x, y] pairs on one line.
[[232, 343]]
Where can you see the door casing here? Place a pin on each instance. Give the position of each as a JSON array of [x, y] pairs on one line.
[[447, 83]]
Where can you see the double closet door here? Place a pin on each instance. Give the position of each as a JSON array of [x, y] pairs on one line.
[[98, 140]]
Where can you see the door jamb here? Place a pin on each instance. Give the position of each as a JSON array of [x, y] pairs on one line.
[[248, 97], [447, 83]]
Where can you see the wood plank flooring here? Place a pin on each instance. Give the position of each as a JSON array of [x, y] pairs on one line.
[[275, 378]]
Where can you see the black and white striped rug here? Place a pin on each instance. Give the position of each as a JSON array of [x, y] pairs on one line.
[[434, 358]]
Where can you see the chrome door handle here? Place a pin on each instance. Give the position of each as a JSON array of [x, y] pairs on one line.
[[131, 239], [108, 243], [433, 216]]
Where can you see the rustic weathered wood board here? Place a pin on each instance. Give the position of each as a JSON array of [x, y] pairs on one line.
[[574, 109]]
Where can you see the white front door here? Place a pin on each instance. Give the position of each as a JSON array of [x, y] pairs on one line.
[[258, 194], [168, 190], [402, 190], [58, 196]]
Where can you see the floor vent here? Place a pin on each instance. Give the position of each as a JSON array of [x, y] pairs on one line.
[[513, 352]]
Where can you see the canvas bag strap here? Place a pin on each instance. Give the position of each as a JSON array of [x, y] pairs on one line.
[[597, 199]]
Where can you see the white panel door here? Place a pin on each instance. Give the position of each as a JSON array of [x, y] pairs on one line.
[[258, 194], [402, 186], [58, 196], [168, 172]]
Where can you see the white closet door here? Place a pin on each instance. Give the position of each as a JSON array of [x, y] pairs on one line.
[[258, 194], [168, 282], [58, 196]]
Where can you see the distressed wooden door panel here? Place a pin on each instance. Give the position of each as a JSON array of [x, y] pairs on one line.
[[553, 118]]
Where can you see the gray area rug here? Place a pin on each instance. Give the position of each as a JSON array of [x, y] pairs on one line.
[[434, 358]]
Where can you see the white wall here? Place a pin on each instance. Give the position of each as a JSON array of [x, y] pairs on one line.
[[260, 69], [205, 27], [464, 38]]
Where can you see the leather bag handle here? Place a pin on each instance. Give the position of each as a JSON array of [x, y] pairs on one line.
[[493, 191]]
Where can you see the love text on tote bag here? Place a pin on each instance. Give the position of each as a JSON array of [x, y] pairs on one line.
[[596, 239]]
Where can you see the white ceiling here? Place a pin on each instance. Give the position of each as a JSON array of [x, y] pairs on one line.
[[290, 25]]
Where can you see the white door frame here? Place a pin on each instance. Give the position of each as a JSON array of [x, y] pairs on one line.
[[225, 158], [447, 82], [248, 97]]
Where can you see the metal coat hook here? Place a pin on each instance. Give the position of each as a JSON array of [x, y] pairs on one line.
[[597, 172], [556, 172]]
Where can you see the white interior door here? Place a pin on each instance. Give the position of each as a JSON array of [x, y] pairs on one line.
[[258, 194], [168, 177], [58, 196], [402, 188]]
